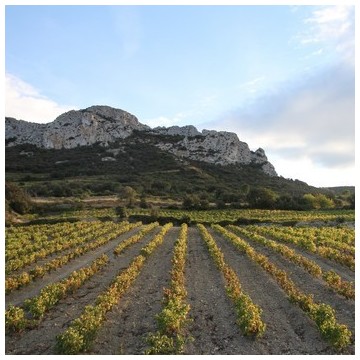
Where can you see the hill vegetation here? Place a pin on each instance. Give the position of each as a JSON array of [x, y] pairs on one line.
[[150, 172]]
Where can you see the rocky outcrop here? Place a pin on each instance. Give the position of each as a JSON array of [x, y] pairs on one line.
[[22, 132], [104, 125], [96, 124], [217, 147], [188, 130]]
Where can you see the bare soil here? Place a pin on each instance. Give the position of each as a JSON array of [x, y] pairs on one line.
[[134, 318], [41, 340], [213, 327], [289, 330]]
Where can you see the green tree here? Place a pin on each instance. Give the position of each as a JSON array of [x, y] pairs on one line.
[[121, 212], [352, 201], [324, 201], [193, 201], [187, 202], [262, 198], [318, 201], [130, 195], [143, 203], [245, 189], [310, 201]]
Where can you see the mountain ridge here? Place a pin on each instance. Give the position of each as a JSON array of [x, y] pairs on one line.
[[104, 125]]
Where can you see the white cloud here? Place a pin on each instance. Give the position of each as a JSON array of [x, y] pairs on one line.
[[160, 121], [202, 106], [23, 101], [306, 129], [305, 170], [179, 119], [333, 25]]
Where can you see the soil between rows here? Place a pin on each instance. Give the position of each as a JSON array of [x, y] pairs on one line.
[[289, 331], [324, 263], [344, 308], [128, 325], [213, 327], [41, 340], [17, 297]]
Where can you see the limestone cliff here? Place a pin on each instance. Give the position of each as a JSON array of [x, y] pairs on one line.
[[217, 147], [104, 125]]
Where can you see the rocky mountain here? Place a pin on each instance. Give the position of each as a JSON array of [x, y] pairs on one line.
[[96, 124], [105, 125]]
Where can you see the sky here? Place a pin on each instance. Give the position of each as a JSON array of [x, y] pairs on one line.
[[281, 77]]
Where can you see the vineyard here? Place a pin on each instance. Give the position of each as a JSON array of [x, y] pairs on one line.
[[110, 287], [212, 216]]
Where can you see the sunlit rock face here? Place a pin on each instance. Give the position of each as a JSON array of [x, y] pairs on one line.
[[96, 124], [217, 147], [104, 125]]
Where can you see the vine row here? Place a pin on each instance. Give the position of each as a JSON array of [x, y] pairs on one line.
[[16, 318], [342, 287], [135, 238], [78, 337], [248, 314], [55, 245], [300, 237], [338, 335], [25, 278], [172, 320]]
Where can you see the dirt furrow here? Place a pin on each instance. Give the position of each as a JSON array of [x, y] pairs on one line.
[[289, 330], [344, 308], [17, 297], [214, 327], [134, 318], [49, 257], [326, 264], [41, 340]]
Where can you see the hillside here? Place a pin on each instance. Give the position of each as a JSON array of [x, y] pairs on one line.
[[98, 170], [101, 150], [104, 125]]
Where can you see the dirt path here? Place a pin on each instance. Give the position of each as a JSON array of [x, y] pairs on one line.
[[134, 318], [289, 330], [344, 308], [214, 327], [41, 340]]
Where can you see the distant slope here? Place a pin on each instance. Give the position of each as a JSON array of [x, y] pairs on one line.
[[100, 150], [104, 125], [143, 166], [340, 190]]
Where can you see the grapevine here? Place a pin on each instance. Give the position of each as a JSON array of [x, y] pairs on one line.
[[305, 238], [82, 331], [135, 238], [336, 334], [50, 295], [248, 314], [333, 280], [172, 321], [15, 282]]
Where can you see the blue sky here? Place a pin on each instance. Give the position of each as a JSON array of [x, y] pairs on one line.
[[281, 77]]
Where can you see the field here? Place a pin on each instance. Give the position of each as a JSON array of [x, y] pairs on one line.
[[105, 287]]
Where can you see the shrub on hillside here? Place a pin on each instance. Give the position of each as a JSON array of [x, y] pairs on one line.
[[17, 199]]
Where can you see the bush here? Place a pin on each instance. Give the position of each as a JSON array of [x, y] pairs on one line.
[[17, 199], [262, 198], [121, 211]]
